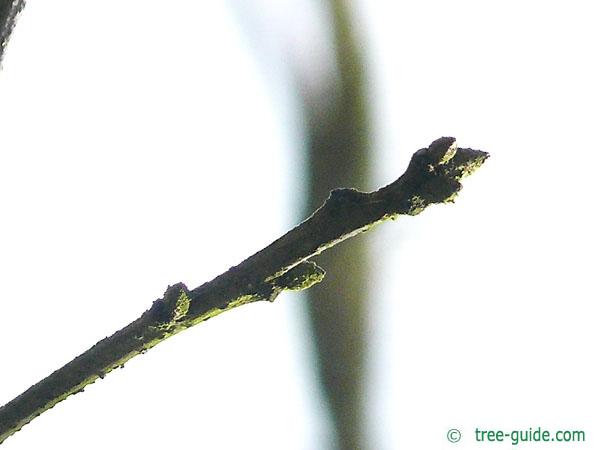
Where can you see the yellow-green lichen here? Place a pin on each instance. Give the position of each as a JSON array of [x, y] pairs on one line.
[[182, 306], [300, 277], [417, 205], [450, 152]]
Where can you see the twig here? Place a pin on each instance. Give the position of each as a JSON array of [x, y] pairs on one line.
[[9, 11], [432, 176]]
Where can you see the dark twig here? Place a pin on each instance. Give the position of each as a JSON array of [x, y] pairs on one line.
[[9, 10], [433, 176]]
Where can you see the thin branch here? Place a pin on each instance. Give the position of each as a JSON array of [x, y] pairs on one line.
[[433, 176], [9, 11]]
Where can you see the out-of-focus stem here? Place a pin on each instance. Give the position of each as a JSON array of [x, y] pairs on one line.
[[9, 11]]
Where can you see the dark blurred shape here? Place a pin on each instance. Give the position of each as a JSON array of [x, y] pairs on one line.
[[334, 99], [9, 10], [338, 147]]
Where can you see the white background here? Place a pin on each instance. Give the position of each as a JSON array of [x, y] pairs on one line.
[[143, 144]]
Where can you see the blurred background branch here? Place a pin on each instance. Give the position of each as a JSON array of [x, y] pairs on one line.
[[339, 154], [9, 10]]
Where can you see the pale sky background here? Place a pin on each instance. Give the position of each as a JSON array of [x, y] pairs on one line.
[[144, 144]]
